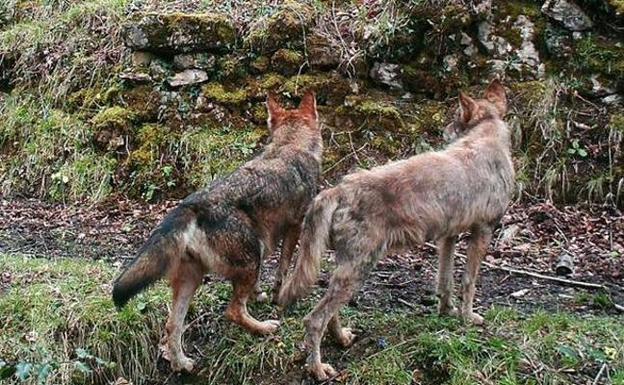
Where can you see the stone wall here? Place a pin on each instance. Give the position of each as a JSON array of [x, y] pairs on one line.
[[187, 104]]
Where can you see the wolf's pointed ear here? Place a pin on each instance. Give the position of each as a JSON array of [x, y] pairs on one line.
[[308, 105], [275, 111], [468, 107], [495, 94]]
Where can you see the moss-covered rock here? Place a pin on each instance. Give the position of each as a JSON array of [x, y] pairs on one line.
[[258, 87], [231, 67], [143, 101], [229, 97], [287, 61], [260, 65], [330, 88], [286, 27], [111, 126], [322, 53], [179, 32], [366, 113]]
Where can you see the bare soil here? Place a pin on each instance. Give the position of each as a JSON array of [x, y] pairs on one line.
[[532, 236]]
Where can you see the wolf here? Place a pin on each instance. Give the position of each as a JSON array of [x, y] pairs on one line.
[[431, 196], [229, 227]]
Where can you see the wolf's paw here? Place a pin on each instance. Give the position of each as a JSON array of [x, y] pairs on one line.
[[322, 371], [182, 363], [473, 318], [262, 297], [163, 347], [346, 337], [269, 326], [448, 310]]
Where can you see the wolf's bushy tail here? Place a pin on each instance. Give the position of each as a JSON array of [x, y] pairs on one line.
[[152, 261], [316, 227]]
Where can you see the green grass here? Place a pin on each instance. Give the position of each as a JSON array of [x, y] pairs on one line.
[[60, 327]]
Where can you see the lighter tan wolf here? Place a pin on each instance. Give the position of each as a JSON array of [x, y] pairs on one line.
[[431, 196]]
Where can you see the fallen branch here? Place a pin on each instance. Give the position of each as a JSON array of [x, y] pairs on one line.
[[602, 368], [546, 277], [536, 275]]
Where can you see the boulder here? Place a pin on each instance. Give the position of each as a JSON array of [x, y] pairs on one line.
[[188, 77], [569, 14], [388, 74], [287, 62], [179, 33], [202, 61], [286, 27], [322, 54]]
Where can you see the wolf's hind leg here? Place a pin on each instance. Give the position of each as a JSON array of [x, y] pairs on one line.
[[288, 248], [446, 249], [345, 280], [479, 241], [185, 278], [244, 284]]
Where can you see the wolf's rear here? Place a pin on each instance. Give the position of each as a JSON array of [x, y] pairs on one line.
[[153, 259], [315, 233]]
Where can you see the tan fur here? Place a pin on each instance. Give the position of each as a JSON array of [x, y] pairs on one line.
[[432, 196]]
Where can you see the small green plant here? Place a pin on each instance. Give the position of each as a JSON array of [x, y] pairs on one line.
[[577, 149]]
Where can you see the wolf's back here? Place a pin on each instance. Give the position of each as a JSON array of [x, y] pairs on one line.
[[153, 259]]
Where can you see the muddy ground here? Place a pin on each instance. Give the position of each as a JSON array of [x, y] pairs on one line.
[[531, 238]]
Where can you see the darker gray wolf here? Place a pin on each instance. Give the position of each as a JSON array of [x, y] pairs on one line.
[[229, 227]]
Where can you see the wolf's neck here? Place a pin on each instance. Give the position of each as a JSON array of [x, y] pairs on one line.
[[276, 150]]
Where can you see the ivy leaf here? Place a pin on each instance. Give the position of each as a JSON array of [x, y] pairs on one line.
[[22, 370], [44, 372], [141, 306], [582, 152], [82, 367], [82, 353]]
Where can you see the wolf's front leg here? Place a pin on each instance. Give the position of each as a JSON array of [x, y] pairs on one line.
[[479, 241], [244, 284], [184, 281]]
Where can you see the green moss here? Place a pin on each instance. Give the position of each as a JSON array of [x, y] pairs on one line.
[[369, 114], [180, 32], [152, 162], [516, 8], [429, 116], [618, 5], [285, 27], [143, 101], [114, 118], [530, 93], [616, 122], [216, 92], [287, 61], [330, 88], [597, 55], [230, 67], [260, 64]]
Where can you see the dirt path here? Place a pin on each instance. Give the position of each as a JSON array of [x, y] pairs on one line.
[[531, 238]]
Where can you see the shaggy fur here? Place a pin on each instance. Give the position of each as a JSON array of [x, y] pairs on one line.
[[431, 196], [229, 227]]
